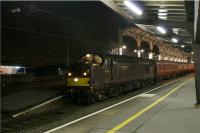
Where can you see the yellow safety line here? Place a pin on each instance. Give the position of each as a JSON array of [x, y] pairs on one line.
[[133, 117]]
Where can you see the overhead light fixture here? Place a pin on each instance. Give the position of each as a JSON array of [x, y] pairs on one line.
[[175, 30], [161, 29], [17, 67], [162, 10], [182, 46], [133, 7], [174, 40], [124, 46], [162, 17], [161, 14]]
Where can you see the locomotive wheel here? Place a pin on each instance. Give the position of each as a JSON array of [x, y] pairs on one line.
[[100, 96]]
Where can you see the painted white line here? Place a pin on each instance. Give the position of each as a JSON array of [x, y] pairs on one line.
[[36, 107], [147, 95], [97, 112]]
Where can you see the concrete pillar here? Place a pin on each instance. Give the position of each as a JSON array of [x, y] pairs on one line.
[[197, 70], [120, 51], [151, 49], [159, 57], [120, 40], [197, 50], [138, 45], [151, 55], [139, 53], [67, 52]]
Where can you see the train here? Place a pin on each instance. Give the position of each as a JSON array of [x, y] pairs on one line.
[[98, 76]]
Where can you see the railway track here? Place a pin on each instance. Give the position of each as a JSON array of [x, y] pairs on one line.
[[24, 124]]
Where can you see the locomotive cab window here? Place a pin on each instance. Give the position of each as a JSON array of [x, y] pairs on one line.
[[92, 58]]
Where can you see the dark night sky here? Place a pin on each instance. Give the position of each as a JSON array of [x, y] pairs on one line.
[[38, 34]]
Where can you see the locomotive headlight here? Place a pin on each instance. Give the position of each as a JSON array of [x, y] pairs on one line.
[[76, 79], [85, 74], [69, 74]]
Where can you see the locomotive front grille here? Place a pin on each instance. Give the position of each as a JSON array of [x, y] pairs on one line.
[[78, 82]]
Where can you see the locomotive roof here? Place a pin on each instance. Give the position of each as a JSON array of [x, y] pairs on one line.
[[123, 58]]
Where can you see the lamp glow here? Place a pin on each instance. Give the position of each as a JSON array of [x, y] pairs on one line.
[[174, 40], [88, 55], [17, 67], [69, 74], [162, 10], [76, 79], [161, 29], [182, 46], [124, 46], [133, 7], [161, 14], [84, 73], [162, 17]]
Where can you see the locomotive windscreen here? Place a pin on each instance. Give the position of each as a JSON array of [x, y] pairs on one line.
[[92, 58]]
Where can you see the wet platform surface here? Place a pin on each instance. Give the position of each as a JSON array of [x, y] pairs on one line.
[[29, 95], [26, 98], [174, 113]]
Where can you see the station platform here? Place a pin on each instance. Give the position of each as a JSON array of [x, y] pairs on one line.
[[169, 109], [29, 95]]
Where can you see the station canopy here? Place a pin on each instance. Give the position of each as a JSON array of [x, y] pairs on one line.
[[175, 16]]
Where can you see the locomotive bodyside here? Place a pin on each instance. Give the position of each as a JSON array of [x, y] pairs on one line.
[[110, 75]]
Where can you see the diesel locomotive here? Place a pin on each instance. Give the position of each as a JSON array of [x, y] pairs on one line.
[[97, 76]]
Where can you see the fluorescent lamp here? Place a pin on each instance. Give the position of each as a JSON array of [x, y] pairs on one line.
[[174, 40], [161, 14], [182, 46], [161, 29], [133, 7], [162, 10], [162, 17], [17, 67]]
